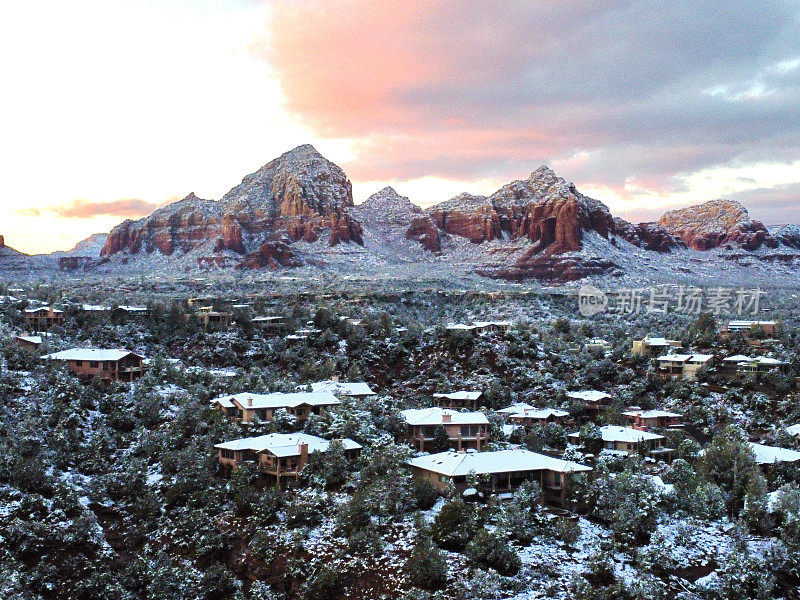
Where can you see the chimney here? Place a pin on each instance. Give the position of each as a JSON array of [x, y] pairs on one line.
[[303, 448], [447, 418], [250, 401], [335, 378]]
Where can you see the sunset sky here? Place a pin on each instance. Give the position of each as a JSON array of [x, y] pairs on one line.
[[111, 108]]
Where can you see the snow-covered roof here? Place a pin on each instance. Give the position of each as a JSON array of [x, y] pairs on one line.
[[94, 308], [285, 444], [523, 410], [589, 395], [615, 433], [650, 414], [91, 354], [460, 395], [460, 327], [598, 342], [435, 416], [453, 464], [266, 319], [794, 429], [761, 360], [277, 400], [767, 455], [31, 339], [43, 308], [675, 358], [701, 358], [345, 388], [482, 324], [738, 324], [128, 308], [659, 341]]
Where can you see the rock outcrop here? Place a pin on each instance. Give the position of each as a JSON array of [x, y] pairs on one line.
[[788, 235], [650, 236], [299, 196], [544, 208], [2, 242], [717, 223]]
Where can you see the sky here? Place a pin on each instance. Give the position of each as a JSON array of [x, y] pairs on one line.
[[110, 109]]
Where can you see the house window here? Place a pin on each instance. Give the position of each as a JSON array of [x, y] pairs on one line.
[[94, 364], [78, 363], [229, 454], [469, 430]]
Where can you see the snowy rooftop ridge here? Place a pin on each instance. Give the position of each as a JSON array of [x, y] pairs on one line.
[[454, 464], [276, 399], [436, 416], [284, 444]]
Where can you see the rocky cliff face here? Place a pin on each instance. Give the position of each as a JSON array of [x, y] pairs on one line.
[[788, 235], [547, 211], [717, 223], [298, 196], [2, 242]]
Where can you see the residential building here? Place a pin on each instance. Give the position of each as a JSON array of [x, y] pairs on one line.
[[740, 365], [506, 470], [352, 389], [109, 365], [770, 455], [747, 329], [31, 341], [269, 325], [464, 429], [645, 420], [43, 318], [598, 345], [683, 365], [650, 346], [591, 399], [279, 457], [631, 441], [480, 327], [208, 317], [527, 415], [458, 400], [247, 407]]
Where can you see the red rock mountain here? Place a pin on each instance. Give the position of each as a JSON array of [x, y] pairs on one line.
[[298, 196], [717, 223]]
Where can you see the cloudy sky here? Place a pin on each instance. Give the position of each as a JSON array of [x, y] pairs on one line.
[[110, 109]]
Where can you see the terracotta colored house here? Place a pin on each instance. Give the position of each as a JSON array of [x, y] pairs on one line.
[[109, 365], [247, 406], [506, 470], [30, 341], [525, 414], [279, 456], [270, 326], [458, 400], [464, 429], [43, 318], [644, 420], [214, 319], [631, 441]]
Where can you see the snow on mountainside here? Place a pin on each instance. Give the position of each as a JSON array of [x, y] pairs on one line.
[[717, 223]]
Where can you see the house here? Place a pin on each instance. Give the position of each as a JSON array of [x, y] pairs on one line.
[[352, 389], [246, 406], [770, 455], [525, 414], [683, 365], [43, 318], [591, 399], [208, 317], [491, 326], [653, 345], [505, 470], [270, 326], [739, 365], [644, 420], [749, 328], [464, 429], [30, 341], [631, 441], [793, 429], [458, 400], [127, 311], [109, 365], [279, 457], [598, 345]]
